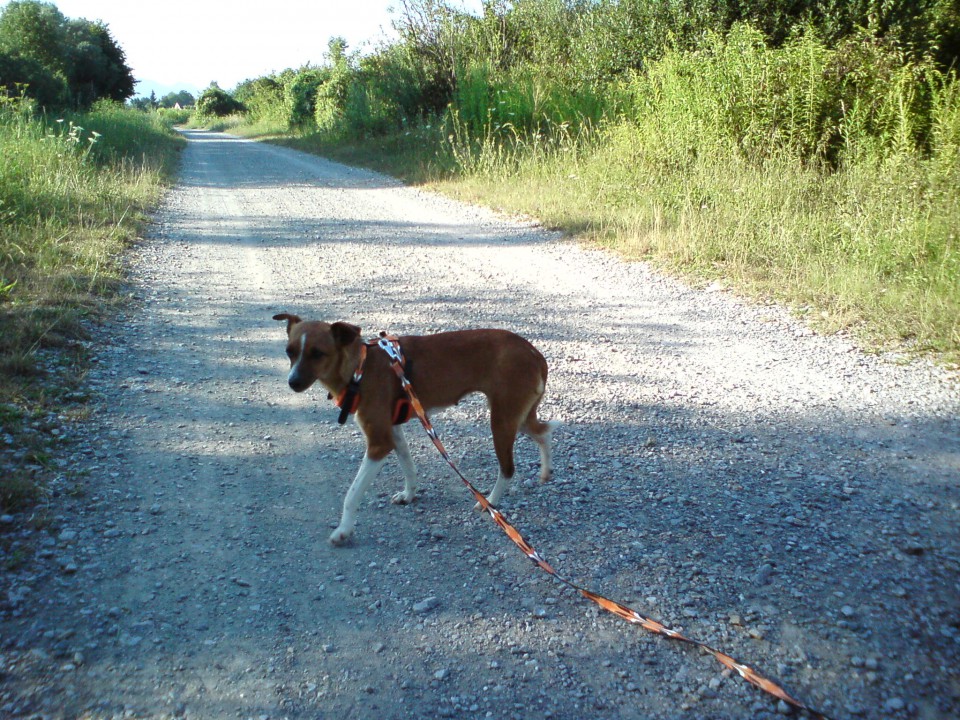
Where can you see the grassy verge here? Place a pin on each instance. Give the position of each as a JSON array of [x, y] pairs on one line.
[[73, 193]]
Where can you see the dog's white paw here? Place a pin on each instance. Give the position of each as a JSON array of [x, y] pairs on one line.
[[480, 508], [403, 498], [340, 536]]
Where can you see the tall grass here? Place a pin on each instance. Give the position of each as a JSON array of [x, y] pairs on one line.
[[825, 178], [73, 192]]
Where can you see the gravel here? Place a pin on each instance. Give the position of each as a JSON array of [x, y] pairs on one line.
[[777, 494]]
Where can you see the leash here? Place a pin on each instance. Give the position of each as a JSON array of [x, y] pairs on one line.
[[390, 345]]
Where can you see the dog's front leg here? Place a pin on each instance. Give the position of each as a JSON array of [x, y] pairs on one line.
[[368, 471], [406, 464]]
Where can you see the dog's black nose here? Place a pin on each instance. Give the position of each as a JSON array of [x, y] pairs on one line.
[[297, 384]]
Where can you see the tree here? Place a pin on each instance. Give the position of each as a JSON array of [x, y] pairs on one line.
[[182, 98], [301, 95], [432, 31], [25, 76], [141, 103], [331, 99], [35, 30], [45, 46], [215, 102], [98, 67]]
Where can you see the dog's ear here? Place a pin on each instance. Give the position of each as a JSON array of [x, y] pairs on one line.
[[344, 333], [291, 320]]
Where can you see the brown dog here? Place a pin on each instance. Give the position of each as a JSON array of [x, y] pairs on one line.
[[442, 369]]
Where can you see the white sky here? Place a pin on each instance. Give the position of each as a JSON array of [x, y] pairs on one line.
[[178, 44]]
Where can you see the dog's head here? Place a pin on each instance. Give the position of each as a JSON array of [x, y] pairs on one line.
[[316, 351]]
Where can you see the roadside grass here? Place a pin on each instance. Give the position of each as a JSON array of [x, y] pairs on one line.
[[73, 195], [869, 248]]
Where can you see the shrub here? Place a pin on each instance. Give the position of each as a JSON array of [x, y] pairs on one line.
[[331, 98], [264, 100], [300, 96], [803, 99], [22, 75], [215, 102]]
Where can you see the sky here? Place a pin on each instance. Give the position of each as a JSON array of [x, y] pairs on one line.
[[178, 44]]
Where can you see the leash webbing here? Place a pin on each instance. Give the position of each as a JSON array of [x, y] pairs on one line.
[[391, 346]]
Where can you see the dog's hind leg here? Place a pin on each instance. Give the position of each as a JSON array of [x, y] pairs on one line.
[[406, 464], [541, 433], [351, 503], [504, 429]]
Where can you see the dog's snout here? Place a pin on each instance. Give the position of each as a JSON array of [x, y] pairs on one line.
[[297, 382]]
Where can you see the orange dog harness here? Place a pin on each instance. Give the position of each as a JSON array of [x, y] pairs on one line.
[[349, 398]]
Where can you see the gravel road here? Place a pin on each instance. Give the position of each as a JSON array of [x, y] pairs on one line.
[[779, 495]]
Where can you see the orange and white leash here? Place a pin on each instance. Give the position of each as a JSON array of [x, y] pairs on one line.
[[391, 347]]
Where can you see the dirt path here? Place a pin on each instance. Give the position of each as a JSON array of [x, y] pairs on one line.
[[776, 494]]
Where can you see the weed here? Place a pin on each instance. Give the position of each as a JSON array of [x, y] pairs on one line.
[[72, 193]]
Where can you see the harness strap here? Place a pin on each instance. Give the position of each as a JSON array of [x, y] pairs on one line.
[[391, 346], [349, 398]]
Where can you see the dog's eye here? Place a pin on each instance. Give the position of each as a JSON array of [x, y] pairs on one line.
[[316, 354]]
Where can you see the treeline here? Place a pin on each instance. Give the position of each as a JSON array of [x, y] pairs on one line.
[[59, 62], [528, 65]]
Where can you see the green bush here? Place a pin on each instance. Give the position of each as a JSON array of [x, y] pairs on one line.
[[523, 102], [331, 100], [22, 75], [264, 100], [804, 98], [300, 96], [216, 103]]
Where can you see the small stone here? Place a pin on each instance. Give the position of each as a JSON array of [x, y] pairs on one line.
[[426, 605], [894, 704], [441, 674], [847, 611], [67, 536], [763, 574]]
